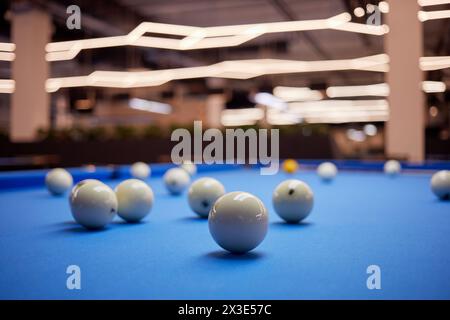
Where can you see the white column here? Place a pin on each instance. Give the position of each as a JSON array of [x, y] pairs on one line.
[[405, 129], [214, 105], [31, 31]]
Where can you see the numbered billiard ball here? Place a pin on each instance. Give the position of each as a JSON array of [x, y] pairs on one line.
[[392, 168], [327, 171], [293, 200], [440, 184], [58, 181], [140, 170], [135, 200], [202, 195], [290, 166], [176, 180], [190, 167], [93, 204], [238, 222]]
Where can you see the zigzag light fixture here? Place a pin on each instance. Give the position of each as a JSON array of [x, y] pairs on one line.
[[203, 38], [238, 69], [7, 54], [7, 86], [425, 3], [433, 15], [6, 51]]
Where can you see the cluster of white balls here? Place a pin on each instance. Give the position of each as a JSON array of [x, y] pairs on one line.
[[238, 221], [94, 204]]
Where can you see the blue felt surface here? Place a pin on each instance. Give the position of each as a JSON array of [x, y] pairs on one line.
[[358, 220]]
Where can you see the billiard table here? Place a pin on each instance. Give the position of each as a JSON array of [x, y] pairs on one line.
[[362, 218]]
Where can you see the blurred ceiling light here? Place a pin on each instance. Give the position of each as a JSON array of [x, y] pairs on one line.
[[150, 106], [238, 69], [327, 106], [433, 15], [244, 113], [341, 111], [363, 28], [7, 56], [83, 104], [297, 94], [192, 39], [282, 118], [5, 46], [434, 63], [269, 100], [331, 111], [379, 89], [276, 121], [359, 12], [237, 122], [370, 130], [357, 116], [425, 3], [356, 135], [434, 111], [370, 8], [238, 117], [383, 6], [202, 38], [6, 86], [433, 86]]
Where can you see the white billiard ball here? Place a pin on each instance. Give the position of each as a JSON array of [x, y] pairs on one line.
[[85, 181], [440, 184], [58, 181], [202, 195], [238, 221], [190, 167], [93, 204], [327, 171], [140, 170], [176, 180], [293, 200], [392, 168], [135, 200]]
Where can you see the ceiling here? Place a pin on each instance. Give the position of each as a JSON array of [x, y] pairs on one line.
[[116, 17]]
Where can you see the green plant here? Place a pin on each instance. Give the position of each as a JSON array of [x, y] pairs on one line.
[[4, 136], [76, 133], [96, 133], [47, 134], [125, 132], [152, 131]]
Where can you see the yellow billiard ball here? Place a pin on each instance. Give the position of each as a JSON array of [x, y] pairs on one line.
[[290, 166]]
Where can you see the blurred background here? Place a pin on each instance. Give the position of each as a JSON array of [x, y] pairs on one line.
[[341, 79]]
